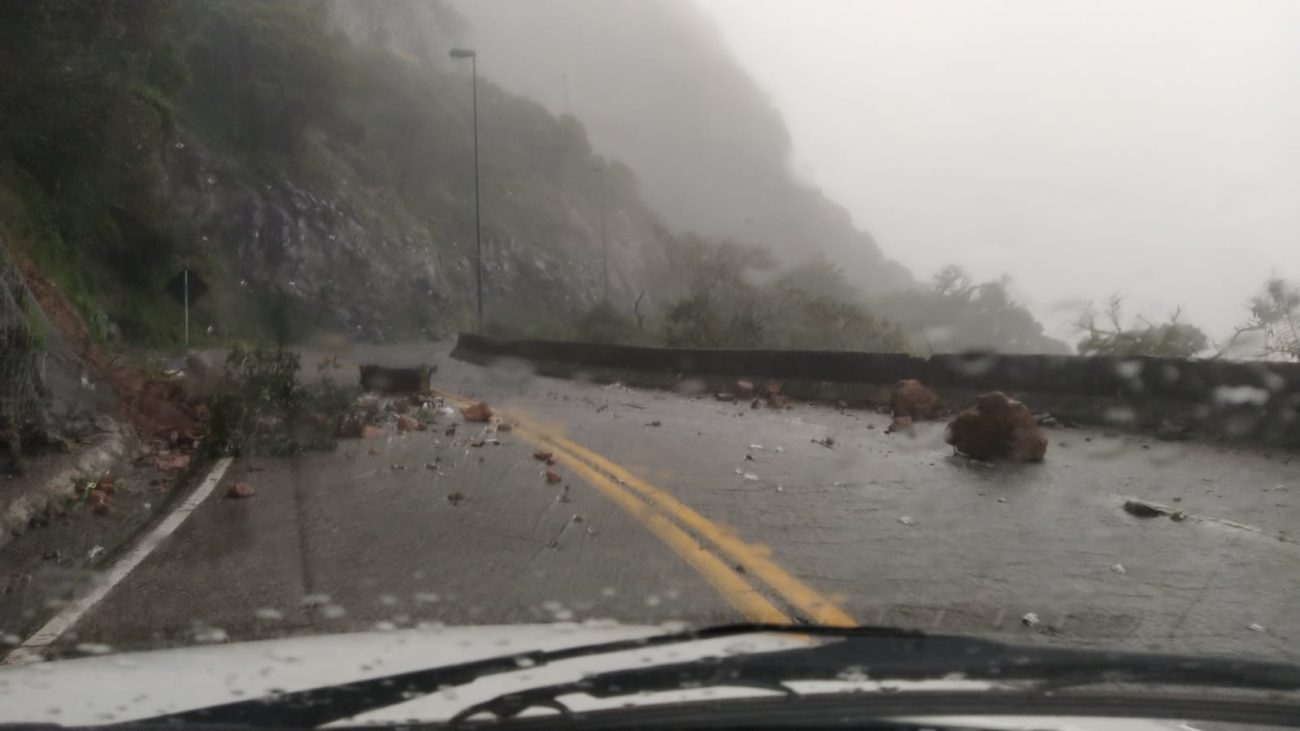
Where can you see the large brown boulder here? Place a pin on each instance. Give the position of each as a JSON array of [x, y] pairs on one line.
[[912, 399], [997, 427]]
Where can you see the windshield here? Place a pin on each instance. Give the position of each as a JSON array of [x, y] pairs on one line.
[[977, 319]]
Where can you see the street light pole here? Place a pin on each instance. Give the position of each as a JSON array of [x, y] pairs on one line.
[[478, 236], [604, 234]]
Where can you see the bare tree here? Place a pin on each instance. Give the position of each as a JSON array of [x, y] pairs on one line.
[[1171, 339], [1274, 320], [636, 310], [951, 280]]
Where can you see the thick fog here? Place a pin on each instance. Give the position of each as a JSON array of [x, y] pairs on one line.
[[1084, 147]]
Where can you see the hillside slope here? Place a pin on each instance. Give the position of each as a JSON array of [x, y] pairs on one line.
[[312, 163], [656, 87], [313, 184]]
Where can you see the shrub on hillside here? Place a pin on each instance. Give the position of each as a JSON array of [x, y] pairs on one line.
[[265, 410], [605, 323]]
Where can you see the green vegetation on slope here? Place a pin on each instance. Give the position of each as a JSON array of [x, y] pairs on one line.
[[1108, 336], [102, 96], [96, 93], [84, 88], [726, 295], [957, 314]]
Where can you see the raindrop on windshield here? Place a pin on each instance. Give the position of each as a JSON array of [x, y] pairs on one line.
[[314, 600], [1240, 395], [93, 648], [1128, 369]]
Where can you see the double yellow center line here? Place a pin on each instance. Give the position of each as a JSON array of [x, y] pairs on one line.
[[687, 532]]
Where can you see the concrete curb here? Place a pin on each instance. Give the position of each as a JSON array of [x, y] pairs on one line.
[[94, 459], [1142, 393]]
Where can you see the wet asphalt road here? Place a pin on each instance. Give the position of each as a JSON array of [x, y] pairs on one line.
[[880, 529]]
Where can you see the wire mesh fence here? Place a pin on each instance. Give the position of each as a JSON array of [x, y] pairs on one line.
[[21, 406]]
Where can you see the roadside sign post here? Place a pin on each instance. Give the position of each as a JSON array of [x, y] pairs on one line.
[[187, 287]]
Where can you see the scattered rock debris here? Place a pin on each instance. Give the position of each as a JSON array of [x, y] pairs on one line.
[[913, 399], [1143, 509], [173, 462], [1255, 627], [553, 477], [407, 423], [900, 424], [778, 401], [828, 442], [450, 431], [727, 397], [456, 498], [1119, 569], [907, 520], [505, 427], [1030, 619], [373, 451], [1174, 429], [479, 412], [240, 490], [656, 422], [542, 455]]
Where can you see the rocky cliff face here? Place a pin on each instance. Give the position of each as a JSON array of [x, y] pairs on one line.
[[310, 252], [359, 263], [656, 86]]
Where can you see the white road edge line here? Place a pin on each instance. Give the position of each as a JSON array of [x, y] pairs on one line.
[[71, 614]]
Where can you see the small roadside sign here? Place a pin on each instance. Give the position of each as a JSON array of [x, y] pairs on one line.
[[187, 280]]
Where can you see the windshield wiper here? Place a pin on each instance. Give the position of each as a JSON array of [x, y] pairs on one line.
[[883, 653], [908, 657], [318, 706]]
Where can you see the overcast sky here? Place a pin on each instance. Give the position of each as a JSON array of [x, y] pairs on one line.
[[1085, 147]]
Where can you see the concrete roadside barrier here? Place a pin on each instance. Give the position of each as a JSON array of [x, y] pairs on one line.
[[1240, 400]]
